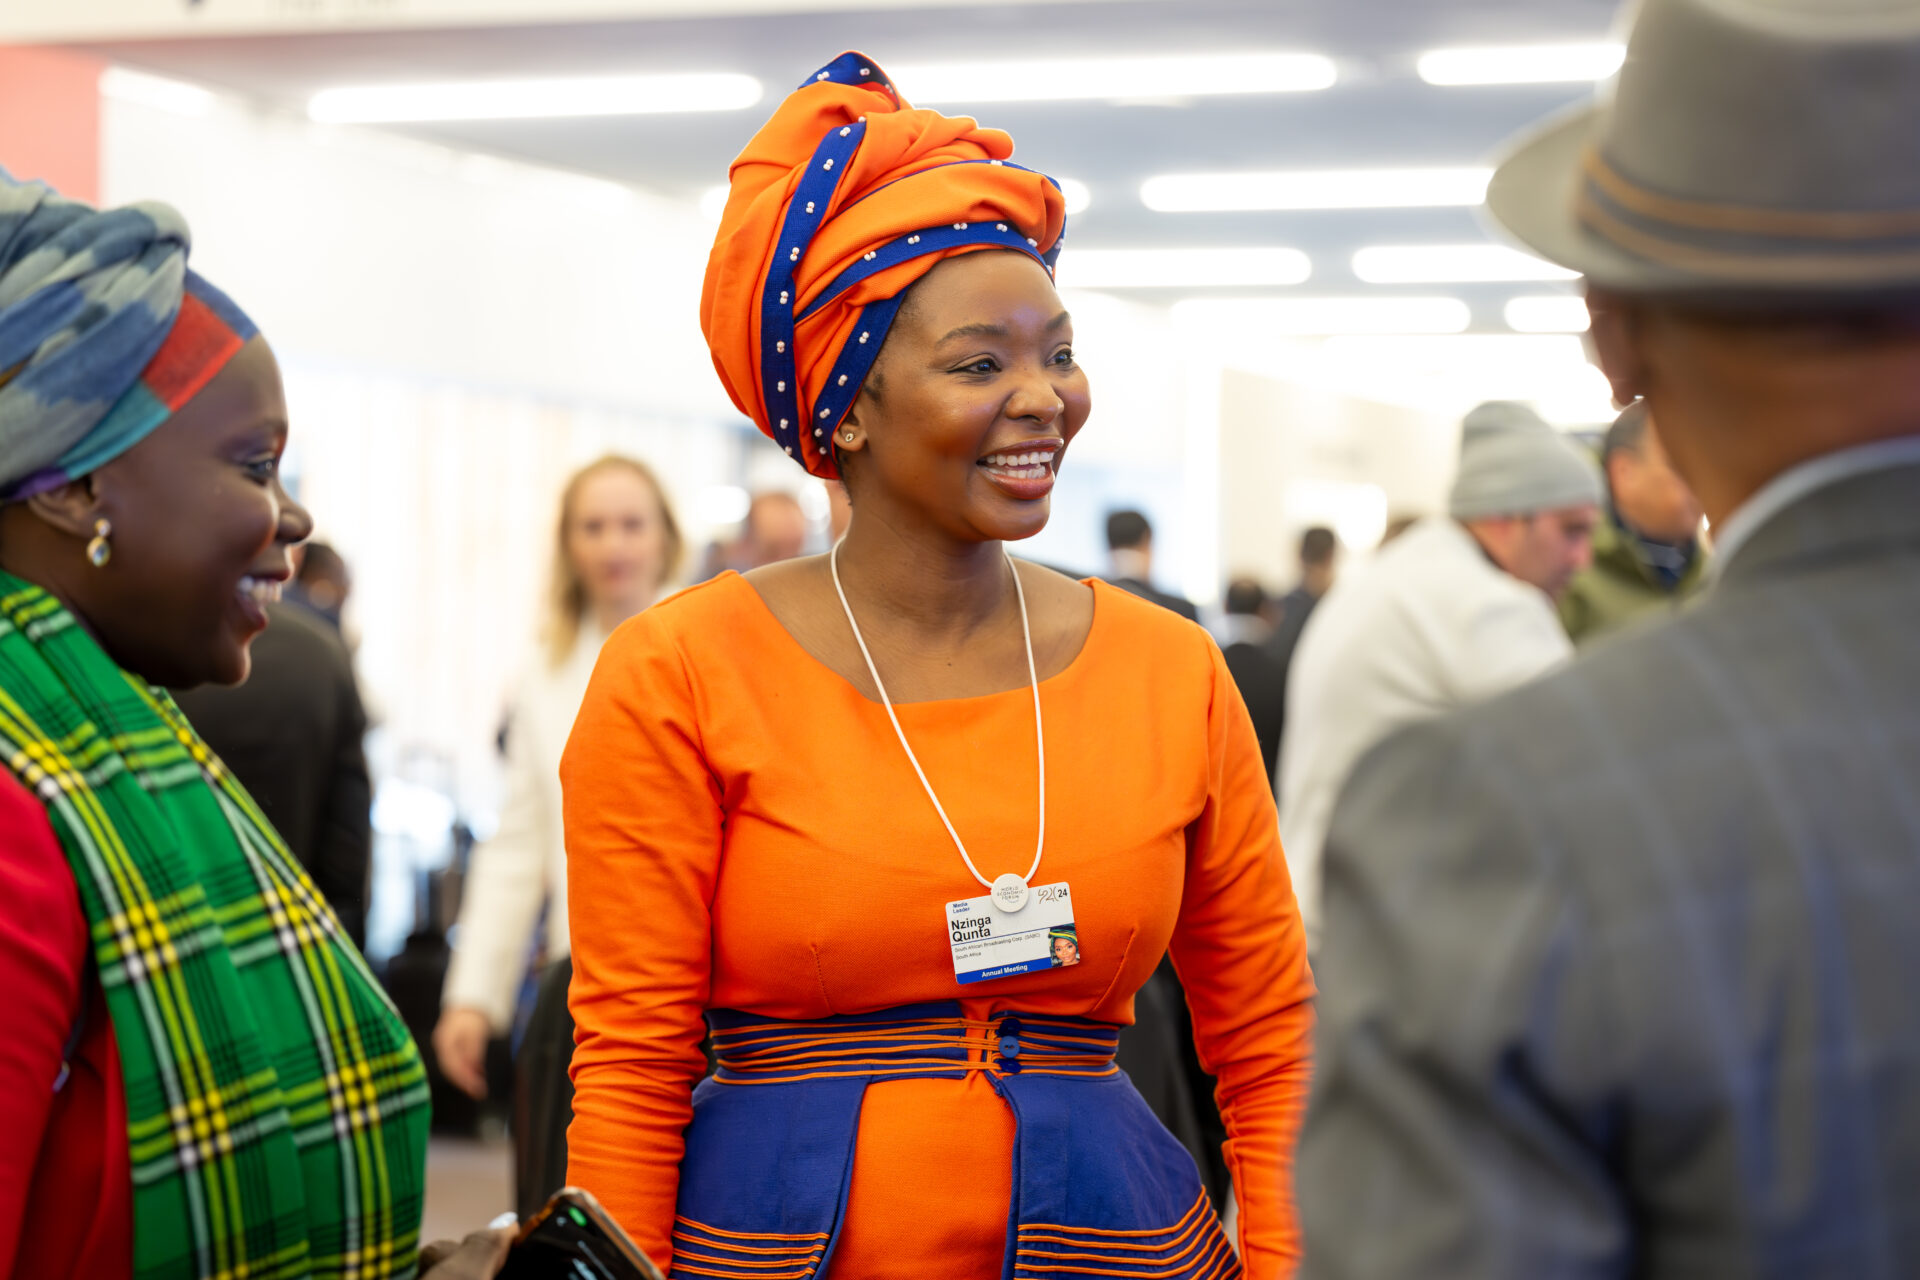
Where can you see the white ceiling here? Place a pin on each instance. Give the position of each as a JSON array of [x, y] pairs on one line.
[[1380, 114]]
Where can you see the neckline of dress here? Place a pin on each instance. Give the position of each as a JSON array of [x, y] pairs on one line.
[[1074, 664]]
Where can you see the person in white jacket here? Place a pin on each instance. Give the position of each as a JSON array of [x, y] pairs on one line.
[[1456, 609], [618, 544]]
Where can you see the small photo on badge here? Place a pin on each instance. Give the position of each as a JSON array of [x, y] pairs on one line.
[[1064, 944]]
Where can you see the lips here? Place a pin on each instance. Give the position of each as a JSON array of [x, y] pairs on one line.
[[1025, 472], [253, 594]]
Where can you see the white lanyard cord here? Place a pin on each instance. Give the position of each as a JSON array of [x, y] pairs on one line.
[[1039, 733]]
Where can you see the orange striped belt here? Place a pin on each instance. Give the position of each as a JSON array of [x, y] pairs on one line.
[[889, 1045]]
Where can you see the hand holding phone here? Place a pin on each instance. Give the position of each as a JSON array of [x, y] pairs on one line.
[[574, 1238]]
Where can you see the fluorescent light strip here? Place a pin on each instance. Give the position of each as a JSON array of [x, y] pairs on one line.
[[1452, 264], [1180, 268], [535, 99], [713, 201], [1076, 194], [1522, 64], [1548, 313], [1060, 79], [176, 96], [1309, 317], [1315, 189]]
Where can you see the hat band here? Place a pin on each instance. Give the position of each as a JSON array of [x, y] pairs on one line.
[[1747, 219], [1745, 245]]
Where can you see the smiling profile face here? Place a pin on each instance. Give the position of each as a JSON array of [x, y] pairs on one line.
[[969, 409], [201, 531]]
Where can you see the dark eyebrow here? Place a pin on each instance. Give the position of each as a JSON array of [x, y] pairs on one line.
[[996, 330]]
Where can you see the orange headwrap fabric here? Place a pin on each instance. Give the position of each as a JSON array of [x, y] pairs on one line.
[[843, 200]]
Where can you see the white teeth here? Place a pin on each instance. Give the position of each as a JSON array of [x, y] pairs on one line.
[[1019, 461], [259, 590]]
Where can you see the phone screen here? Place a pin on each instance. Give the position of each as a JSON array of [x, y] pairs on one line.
[[573, 1238]]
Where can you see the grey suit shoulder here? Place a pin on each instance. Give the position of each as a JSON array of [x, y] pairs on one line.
[[1642, 934]]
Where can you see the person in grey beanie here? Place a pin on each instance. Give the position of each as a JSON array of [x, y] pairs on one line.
[[1456, 609]]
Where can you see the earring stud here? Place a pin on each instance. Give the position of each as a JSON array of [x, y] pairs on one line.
[[849, 437], [99, 550]]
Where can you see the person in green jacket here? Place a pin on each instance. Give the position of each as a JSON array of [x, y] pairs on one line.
[[1647, 555]]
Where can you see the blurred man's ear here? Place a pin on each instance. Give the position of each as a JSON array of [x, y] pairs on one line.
[[1615, 337]]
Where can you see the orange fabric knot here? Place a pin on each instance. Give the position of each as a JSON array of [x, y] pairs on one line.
[[850, 195]]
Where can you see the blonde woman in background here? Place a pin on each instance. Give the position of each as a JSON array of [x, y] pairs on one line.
[[618, 545]]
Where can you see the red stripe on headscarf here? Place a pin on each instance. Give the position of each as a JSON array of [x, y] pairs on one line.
[[198, 346]]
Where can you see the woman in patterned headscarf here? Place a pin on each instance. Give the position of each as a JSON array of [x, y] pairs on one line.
[[840, 804], [200, 1077]]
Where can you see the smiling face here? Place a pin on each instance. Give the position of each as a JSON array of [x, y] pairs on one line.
[[974, 398], [201, 532]]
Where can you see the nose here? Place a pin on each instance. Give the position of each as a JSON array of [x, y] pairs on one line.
[[1036, 399], [296, 525]]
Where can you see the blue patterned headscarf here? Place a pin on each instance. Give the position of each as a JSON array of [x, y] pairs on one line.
[[87, 297]]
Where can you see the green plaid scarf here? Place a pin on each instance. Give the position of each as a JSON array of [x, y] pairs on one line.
[[276, 1107]]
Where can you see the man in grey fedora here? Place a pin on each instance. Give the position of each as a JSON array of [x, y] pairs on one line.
[[1623, 969]]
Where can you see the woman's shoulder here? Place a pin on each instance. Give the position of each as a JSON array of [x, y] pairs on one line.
[[1149, 628], [710, 610], [36, 884]]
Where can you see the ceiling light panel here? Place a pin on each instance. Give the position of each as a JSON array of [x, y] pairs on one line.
[[1076, 194], [1311, 317], [556, 98], [177, 96], [713, 201], [1315, 189], [1549, 313], [1452, 264], [1522, 64], [1180, 268], [1060, 79]]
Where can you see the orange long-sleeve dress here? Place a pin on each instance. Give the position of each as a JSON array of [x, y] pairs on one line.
[[744, 832]]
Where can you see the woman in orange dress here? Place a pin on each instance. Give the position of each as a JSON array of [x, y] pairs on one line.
[[908, 825]]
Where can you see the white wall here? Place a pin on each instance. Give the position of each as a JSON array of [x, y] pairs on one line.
[[1303, 455], [347, 244]]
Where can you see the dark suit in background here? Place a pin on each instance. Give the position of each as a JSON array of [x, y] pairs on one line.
[[1623, 968], [292, 735], [1262, 682], [1166, 600]]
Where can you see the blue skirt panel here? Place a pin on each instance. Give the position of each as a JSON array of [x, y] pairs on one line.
[[1100, 1188]]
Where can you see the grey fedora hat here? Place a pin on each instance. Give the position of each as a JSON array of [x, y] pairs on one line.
[[1749, 148]]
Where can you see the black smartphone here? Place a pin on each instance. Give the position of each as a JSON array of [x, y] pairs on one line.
[[573, 1238]]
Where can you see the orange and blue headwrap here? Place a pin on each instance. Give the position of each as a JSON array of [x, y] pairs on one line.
[[104, 333], [843, 200]]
